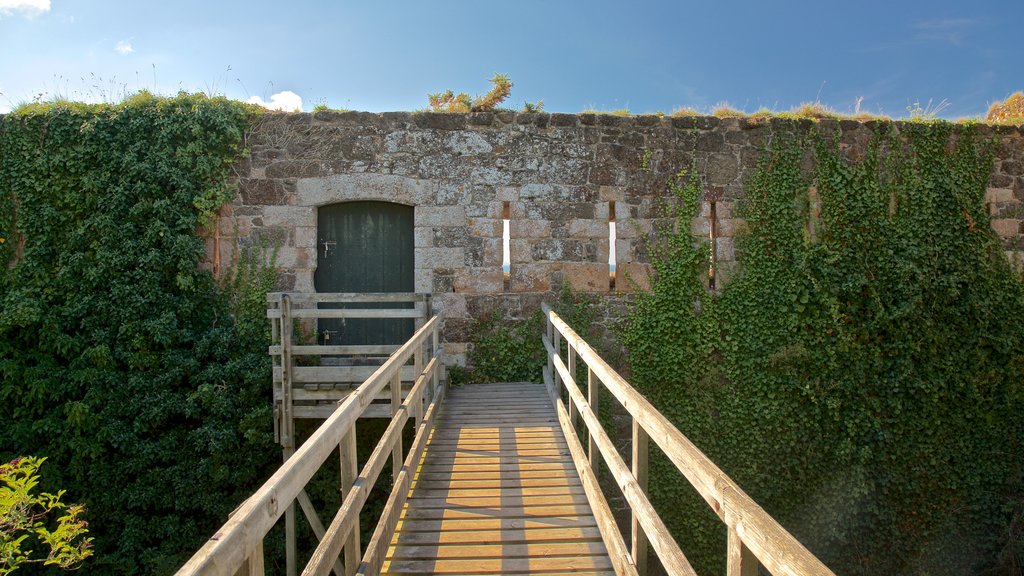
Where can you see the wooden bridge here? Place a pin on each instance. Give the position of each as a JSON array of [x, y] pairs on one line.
[[498, 479]]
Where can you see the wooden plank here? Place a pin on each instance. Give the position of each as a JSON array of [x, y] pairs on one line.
[[568, 511], [501, 501], [498, 565], [353, 350], [497, 484], [325, 411], [503, 550], [346, 297], [420, 491], [504, 524], [410, 536], [341, 374], [349, 313]]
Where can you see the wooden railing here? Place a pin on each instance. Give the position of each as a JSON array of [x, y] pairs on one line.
[[753, 536], [237, 548]]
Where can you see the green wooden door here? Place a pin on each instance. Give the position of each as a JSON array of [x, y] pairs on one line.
[[365, 247]]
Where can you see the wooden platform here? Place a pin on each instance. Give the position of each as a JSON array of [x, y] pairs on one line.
[[497, 493]]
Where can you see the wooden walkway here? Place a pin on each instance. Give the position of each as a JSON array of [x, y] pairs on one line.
[[497, 493]]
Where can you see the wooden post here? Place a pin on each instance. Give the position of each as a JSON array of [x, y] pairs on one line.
[[417, 368], [349, 470], [593, 395], [288, 428], [290, 550], [287, 416], [639, 538], [396, 404], [570, 353], [253, 565], [741, 561]]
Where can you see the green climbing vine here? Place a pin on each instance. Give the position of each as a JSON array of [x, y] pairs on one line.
[[135, 373], [863, 376]]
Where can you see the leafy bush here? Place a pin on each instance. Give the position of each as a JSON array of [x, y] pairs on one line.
[[862, 382], [123, 362], [27, 521]]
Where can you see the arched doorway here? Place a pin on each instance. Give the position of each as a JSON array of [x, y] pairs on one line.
[[364, 247]]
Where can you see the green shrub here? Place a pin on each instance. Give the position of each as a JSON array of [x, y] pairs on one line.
[[863, 383], [140, 377]]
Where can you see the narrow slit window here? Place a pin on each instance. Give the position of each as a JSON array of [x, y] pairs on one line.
[[506, 259], [713, 236], [611, 245]]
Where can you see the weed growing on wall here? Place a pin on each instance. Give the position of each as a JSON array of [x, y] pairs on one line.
[[862, 377], [139, 377]]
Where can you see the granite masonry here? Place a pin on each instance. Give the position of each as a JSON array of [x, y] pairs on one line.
[[558, 178]]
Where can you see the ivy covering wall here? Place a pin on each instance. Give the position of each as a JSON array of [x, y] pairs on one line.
[[141, 379], [863, 377]]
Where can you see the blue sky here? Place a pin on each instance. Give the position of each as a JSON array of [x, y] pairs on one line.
[[645, 56]]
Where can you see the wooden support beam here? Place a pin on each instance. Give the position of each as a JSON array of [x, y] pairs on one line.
[[349, 468], [639, 459]]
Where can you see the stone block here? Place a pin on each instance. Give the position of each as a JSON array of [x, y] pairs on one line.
[[440, 120], [589, 228], [291, 257], [262, 192], [440, 216], [731, 227], [700, 227], [431, 258], [423, 281], [529, 229], [586, 277], [305, 237], [294, 169], [289, 216], [531, 277], [1006, 227], [493, 252], [614, 193], [632, 277], [423, 236], [996, 195], [450, 304], [452, 237], [624, 251], [455, 353], [726, 249], [559, 250], [632, 228], [365, 186], [520, 251], [444, 280], [506, 193], [479, 281], [485, 227]]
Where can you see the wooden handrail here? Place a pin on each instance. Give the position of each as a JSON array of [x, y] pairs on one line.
[[754, 536], [242, 535]]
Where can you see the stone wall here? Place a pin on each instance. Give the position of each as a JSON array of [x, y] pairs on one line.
[[560, 177]]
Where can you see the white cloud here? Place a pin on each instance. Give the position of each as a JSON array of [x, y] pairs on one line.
[[124, 47], [26, 7], [286, 101]]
